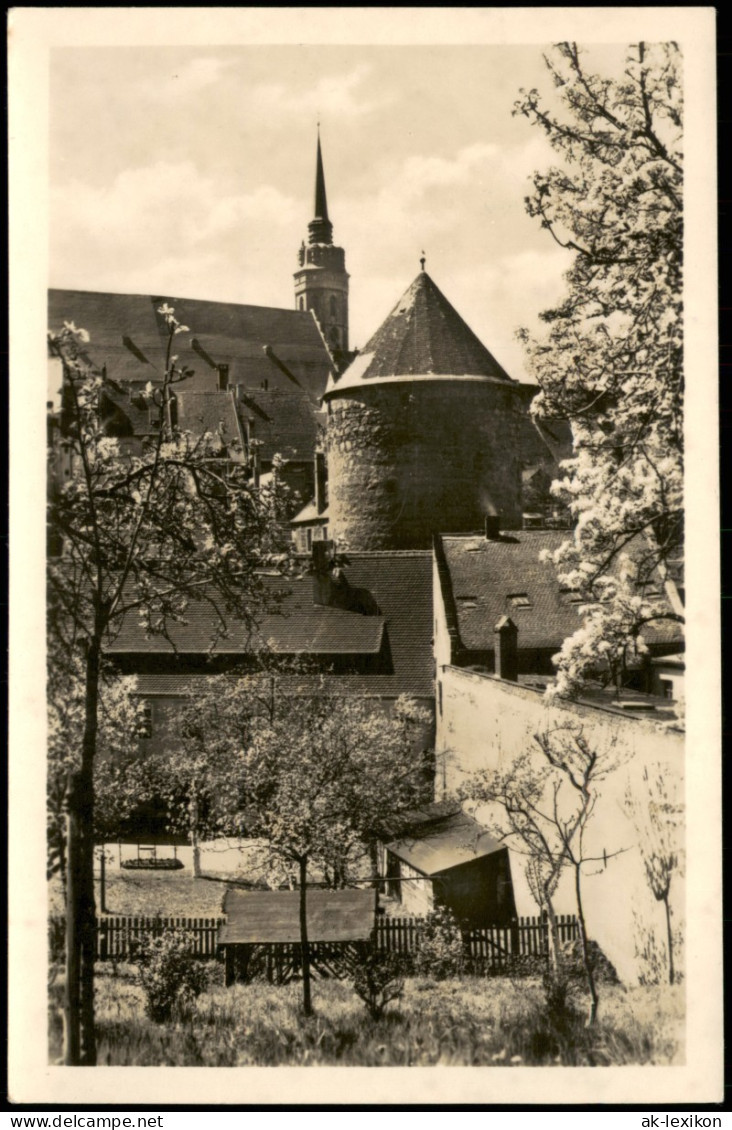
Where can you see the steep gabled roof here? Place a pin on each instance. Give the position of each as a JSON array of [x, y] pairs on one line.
[[283, 422], [214, 412], [129, 337], [491, 579], [423, 336]]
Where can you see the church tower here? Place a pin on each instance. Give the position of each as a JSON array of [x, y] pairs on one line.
[[321, 281]]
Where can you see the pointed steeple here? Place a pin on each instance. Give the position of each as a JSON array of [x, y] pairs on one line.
[[320, 229], [321, 281]]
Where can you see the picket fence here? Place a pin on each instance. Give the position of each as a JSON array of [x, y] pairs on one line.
[[119, 937]]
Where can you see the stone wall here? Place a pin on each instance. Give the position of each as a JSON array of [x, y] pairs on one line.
[[407, 458]]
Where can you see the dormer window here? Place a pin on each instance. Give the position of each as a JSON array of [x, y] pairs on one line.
[[519, 600]]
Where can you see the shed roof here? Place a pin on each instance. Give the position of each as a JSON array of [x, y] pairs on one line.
[[274, 916], [422, 336], [444, 842], [129, 337]]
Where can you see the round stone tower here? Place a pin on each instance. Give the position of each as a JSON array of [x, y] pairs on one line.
[[422, 432]]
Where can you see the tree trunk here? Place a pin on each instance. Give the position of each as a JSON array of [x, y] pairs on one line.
[[586, 964], [81, 925], [669, 941], [552, 934], [193, 811], [307, 1005]]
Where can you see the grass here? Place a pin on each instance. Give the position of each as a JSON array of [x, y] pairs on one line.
[[466, 1022], [156, 892]]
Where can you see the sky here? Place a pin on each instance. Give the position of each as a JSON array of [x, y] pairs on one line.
[[189, 171]]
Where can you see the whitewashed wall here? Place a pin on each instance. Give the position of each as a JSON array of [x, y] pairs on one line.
[[484, 723]]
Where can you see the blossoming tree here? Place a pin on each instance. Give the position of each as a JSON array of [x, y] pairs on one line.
[[141, 532], [610, 360]]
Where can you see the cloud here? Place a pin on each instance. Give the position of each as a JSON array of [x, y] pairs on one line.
[[151, 222], [337, 96], [185, 80]]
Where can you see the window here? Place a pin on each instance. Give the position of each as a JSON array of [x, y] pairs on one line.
[[667, 688], [146, 722], [333, 308], [302, 303], [519, 599]]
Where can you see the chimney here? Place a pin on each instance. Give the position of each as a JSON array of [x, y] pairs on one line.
[[223, 371], [492, 525], [322, 561], [321, 482], [506, 649]]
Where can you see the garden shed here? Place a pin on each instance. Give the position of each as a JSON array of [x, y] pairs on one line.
[[443, 857], [261, 935]]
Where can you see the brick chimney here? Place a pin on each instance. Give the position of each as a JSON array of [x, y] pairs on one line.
[[506, 649], [322, 566], [321, 482], [492, 525]]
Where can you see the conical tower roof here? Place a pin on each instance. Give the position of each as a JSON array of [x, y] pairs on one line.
[[423, 337]]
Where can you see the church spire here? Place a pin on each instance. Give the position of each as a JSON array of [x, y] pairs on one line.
[[320, 229], [321, 280]]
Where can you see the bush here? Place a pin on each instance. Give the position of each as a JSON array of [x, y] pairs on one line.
[[170, 976], [601, 966], [441, 952], [378, 981]]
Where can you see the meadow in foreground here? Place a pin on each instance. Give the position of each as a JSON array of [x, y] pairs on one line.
[[462, 1022]]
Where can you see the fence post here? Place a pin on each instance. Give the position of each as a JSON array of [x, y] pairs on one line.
[[102, 942]]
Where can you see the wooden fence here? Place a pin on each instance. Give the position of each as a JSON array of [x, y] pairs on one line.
[[486, 947], [118, 937]]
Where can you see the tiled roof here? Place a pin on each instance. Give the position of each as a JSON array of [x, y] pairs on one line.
[[443, 843], [399, 585], [491, 579], [283, 421], [300, 627], [200, 412], [423, 335], [128, 336]]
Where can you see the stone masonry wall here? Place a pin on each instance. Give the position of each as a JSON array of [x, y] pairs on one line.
[[413, 457]]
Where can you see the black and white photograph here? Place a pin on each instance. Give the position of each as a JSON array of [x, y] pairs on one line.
[[364, 606]]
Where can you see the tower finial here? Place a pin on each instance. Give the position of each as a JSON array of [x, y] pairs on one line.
[[423, 260]]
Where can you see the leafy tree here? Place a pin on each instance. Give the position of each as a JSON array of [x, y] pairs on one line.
[[143, 532], [546, 807], [322, 776], [610, 360], [657, 816], [198, 773]]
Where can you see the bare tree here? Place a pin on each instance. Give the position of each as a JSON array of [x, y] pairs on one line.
[[546, 806], [657, 816]]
